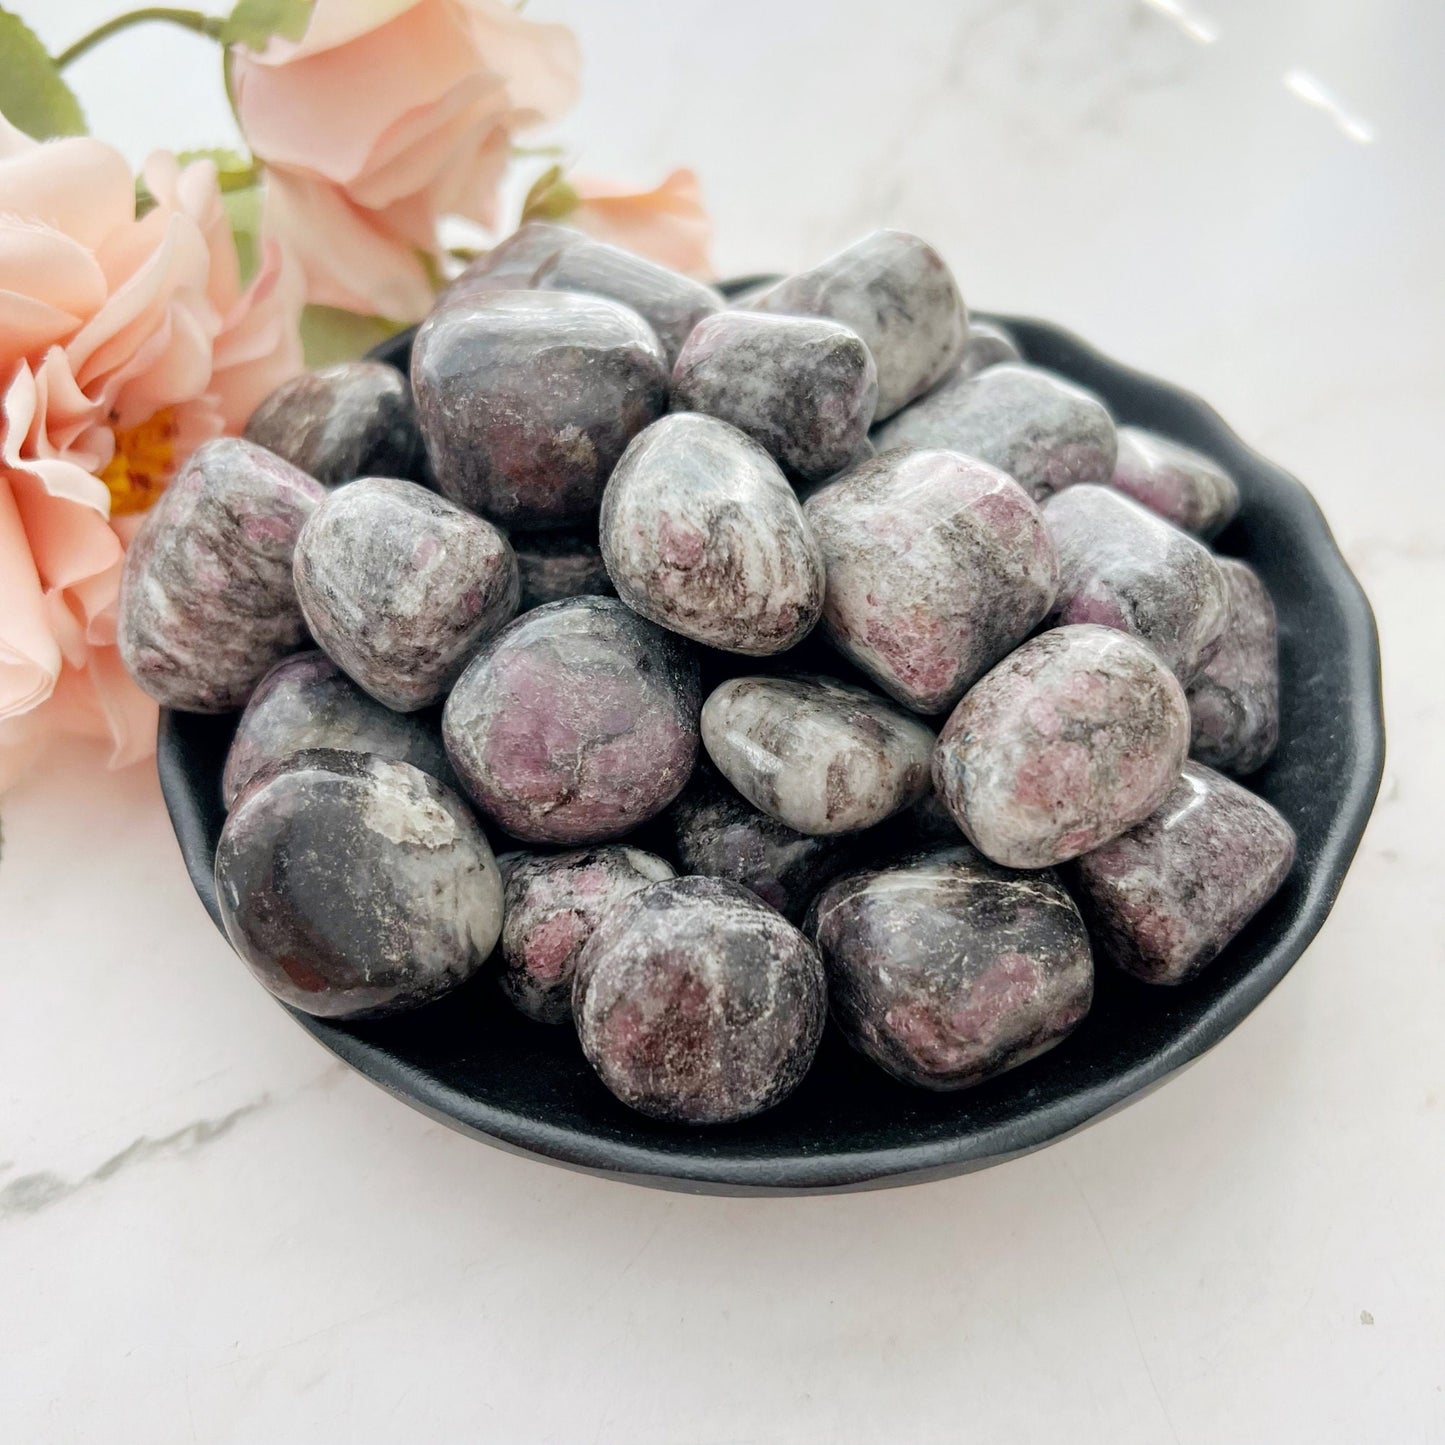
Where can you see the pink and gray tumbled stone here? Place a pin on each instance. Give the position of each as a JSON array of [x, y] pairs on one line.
[[346, 421], [207, 603], [702, 534], [1165, 898], [553, 904], [511, 265], [671, 303], [803, 387], [1045, 432], [526, 400], [400, 587], [898, 294], [554, 565], [1122, 566], [1234, 702], [947, 969], [1182, 485], [306, 701], [698, 1004], [1069, 741], [355, 886], [989, 344], [937, 565], [718, 833], [818, 755], [576, 723]]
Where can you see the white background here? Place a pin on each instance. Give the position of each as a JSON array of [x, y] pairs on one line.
[[210, 1232]]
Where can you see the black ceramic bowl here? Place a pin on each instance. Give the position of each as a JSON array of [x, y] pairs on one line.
[[474, 1063]]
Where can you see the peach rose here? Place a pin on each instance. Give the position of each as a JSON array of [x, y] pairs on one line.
[[386, 116], [123, 343], [667, 224]]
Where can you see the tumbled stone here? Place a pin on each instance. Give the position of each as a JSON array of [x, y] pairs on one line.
[[511, 265], [1045, 432], [554, 565], [576, 723], [697, 1003], [1182, 485], [1165, 898], [937, 565], [207, 602], [306, 701], [526, 400], [702, 533], [1070, 740], [818, 755], [947, 969], [355, 886], [803, 387], [671, 303], [1122, 566], [553, 904], [346, 421], [400, 587], [989, 344], [898, 294], [1234, 702], [718, 833]]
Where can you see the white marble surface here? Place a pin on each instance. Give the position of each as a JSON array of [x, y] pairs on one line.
[[209, 1232]]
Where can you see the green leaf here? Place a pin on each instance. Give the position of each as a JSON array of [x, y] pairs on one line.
[[329, 335], [551, 198], [234, 172], [32, 94], [243, 210], [253, 22]]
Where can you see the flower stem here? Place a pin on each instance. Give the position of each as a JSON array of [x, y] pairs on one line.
[[187, 19]]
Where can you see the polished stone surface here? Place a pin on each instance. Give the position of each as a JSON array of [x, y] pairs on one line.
[[207, 603], [988, 345], [356, 886], [554, 565], [1122, 566], [1066, 743], [696, 1003], [937, 566], [1182, 485], [576, 723], [946, 969], [1045, 432], [513, 264], [702, 533], [400, 587], [820, 756], [1164, 899]]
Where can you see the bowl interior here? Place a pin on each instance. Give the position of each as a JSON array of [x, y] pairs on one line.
[[475, 1063]]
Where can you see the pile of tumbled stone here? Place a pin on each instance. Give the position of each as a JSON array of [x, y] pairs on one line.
[[938, 625]]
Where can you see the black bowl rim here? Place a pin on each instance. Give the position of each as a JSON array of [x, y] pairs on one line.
[[977, 1146]]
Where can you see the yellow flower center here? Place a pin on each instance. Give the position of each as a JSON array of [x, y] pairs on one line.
[[144, 459]]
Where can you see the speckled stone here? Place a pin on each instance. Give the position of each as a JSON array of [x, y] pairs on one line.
[[553, 904], [576, 723], [1122, 566], [346, 421], [937, 565], [206, 599], [1182, 485], [1234, 702], [671, 303], [1165, 898], [1069, 741], [898, 294], [947, 969], [818, 755], [526, 400], [803, 387], [306, 701], [702, 533], [1045, 432], [697, 1003], [718, 833], [511, 265], [554, 565], [355, 886], [400, 587], [989, 344]]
